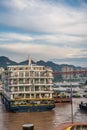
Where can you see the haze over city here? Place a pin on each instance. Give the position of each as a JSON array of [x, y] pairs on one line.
[[54, 30]]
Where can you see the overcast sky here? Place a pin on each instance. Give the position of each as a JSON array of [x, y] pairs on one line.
[[49, 30]]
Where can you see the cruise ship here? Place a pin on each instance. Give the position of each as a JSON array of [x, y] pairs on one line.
[[27, 88]]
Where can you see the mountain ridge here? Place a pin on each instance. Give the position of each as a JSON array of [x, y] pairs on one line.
[[5, 61]]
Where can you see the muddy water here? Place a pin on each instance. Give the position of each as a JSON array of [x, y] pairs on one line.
[[42, 120]]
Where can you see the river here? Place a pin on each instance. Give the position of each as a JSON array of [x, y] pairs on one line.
[[48, 120]]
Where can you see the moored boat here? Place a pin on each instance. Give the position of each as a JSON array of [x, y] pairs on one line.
[[60, 95], [27, 88], [61, 98], [83, 106]]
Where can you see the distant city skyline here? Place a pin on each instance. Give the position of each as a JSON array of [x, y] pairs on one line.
[[49, 30]]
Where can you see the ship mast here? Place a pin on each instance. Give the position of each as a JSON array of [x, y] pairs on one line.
[[29, 60]]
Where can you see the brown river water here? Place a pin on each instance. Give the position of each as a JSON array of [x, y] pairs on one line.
[[47, 120]]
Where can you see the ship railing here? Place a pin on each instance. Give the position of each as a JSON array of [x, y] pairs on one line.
[[77, 127], [29, 99]]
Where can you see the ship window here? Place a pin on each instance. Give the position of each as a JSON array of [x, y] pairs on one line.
[[15, 81], [16, 89], [20, 81], [21, 74], [15, 96], [32, 88], [16, 74], [32, 95], [36, 81], [26, 88], [42, 81], [27, 95], [37, 96], [41, 74], [21, 68], [43, 95], [26, 81], [37, 74], [26, 73], [36, 88], [21, 88], [42, 88], [21, 95], [26, 68]]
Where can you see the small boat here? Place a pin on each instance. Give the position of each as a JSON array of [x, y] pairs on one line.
[[60, 95], [61, 98], [83, 106]]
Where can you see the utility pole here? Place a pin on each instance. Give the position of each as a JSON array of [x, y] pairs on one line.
[[71, 104], [71, 95]]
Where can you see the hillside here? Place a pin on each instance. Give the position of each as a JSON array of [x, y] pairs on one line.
[[5, 61]]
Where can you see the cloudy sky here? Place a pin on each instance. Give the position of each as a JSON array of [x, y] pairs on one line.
[[54, 30]]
